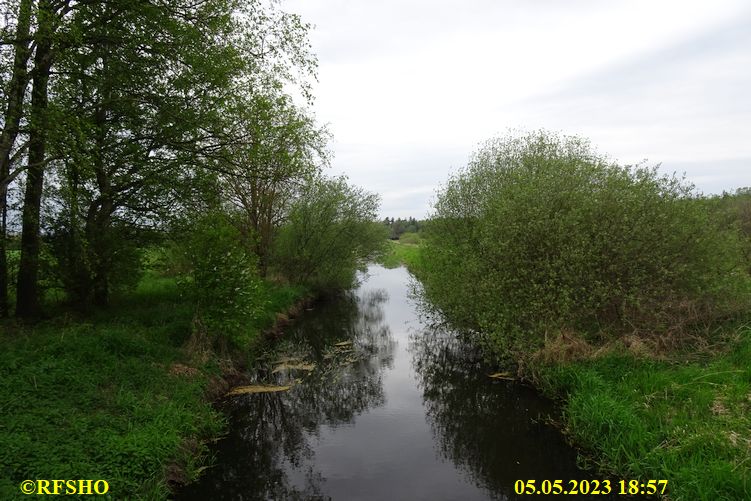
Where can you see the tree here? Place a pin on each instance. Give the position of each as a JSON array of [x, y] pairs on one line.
[[140, 111], [14, 103], [135, 96], [27, 294], [331, 232], [282, 148], [151, 101]]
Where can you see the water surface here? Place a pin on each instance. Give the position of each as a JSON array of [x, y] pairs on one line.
[[406, 411]]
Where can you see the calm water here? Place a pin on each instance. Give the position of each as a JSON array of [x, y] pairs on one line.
[[404, 412]]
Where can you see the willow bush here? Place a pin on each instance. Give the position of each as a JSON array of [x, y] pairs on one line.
[[222, 281], [330, 233], [541, 234]]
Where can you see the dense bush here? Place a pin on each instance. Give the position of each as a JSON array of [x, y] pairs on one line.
[[541, 234], [330, 233], [733, 211], [89, 270], [222, 280]]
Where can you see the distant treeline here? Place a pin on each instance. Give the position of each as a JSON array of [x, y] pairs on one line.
[[397, 227]]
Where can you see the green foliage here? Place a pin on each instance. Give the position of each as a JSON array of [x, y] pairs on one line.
[[95, 398], [89, 271], [330, 233], [540, 233], [400, 253], [284, 147], [140, 109], [50, 285], [223, 281], [733, 211], [398, 227], [688, 423], [410, 238]]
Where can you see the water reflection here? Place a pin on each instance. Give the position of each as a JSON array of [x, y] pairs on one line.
[[494, 431], [397, 407], [268, 453]]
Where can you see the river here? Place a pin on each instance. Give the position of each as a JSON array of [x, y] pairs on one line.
[[384, 405]]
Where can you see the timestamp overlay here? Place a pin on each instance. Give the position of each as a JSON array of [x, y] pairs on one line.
[[593, 487]]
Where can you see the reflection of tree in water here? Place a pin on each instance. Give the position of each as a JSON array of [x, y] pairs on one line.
[[490, 430], [270, 432]]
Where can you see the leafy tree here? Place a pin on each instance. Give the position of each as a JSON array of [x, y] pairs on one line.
[[331, 232], [131, 117], [281, 148], [13, 106], [134, 117]]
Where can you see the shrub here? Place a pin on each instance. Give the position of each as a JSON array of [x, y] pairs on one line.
[[410, 238], [90, 271], [223, 281], [540, 233], [330, 233]]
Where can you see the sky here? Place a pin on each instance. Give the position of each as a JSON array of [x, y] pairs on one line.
[[410, 88]]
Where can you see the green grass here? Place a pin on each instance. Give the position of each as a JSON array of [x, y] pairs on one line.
[[401, 254], [93, 397], [689, 423], [277, 300]]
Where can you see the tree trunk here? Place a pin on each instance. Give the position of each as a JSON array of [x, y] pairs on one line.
[[16, 90], [98, 223], [27, 302]]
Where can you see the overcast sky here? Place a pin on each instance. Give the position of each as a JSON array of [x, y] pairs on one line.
[[411, 87]]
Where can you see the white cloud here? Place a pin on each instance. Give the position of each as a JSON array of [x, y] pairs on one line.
[[410, 87]]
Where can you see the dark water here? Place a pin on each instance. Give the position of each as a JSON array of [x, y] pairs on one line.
[[404, 412]]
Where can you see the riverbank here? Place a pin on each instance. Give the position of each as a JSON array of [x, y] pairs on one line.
[[685, 419], [400, 254], [639, 413], [381, 403], [114, 395]]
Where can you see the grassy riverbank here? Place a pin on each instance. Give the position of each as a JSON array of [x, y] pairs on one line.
[[112, 395], [400, 253], [686, 419]]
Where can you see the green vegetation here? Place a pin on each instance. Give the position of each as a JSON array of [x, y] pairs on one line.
[[114, 395], [222, 281], [331, 232], [613, 288], [399, 227], [184, 209], [540, 235], [400, 253], [687, 422]]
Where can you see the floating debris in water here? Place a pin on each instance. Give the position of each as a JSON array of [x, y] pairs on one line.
[[258, 388], [502, 375], [294, 365], [287, 360]]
